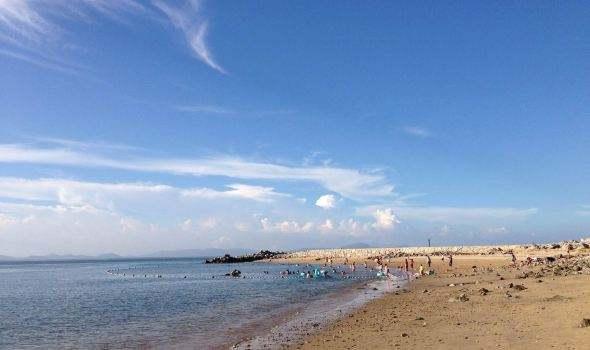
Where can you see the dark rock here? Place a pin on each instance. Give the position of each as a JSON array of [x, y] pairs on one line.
[[234, 273], [585, 323], [228, 259]]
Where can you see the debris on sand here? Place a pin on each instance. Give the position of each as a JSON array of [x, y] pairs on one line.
[[585, 323], [484, 291], [462, 298]]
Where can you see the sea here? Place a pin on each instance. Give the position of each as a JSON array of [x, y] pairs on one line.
[[165, 303]]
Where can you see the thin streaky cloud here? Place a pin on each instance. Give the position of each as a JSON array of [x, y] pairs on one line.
[[220, 110], [73, 192], [84, 144], [188, 20], [350, 183], [209, 109], [417, 131], [59, 67]]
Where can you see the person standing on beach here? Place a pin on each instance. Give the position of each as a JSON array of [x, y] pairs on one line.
[[412, 264], [421, 270], [450, 260], [513, 258], [407, 264], [429, 260]]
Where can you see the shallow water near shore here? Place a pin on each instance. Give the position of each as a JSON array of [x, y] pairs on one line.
[[175, 303]]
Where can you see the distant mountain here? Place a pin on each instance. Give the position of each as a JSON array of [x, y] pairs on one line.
[[183, 253], [357, 245], [56, 257]]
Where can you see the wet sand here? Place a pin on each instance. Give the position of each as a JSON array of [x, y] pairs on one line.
[[431, 314]]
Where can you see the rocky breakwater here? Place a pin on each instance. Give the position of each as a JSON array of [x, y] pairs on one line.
[[228, 259], [574, 246]]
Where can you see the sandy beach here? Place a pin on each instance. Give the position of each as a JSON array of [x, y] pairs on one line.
[[481, 302]]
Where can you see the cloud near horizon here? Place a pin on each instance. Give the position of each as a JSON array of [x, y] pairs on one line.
[[34, 211]]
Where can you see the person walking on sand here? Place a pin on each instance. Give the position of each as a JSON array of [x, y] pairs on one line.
[[513, 259], [421, 270], [450, 260], [407, 263], [412, 264], [429, 260]]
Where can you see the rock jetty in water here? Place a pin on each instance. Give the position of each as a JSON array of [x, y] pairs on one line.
[[228, 259]]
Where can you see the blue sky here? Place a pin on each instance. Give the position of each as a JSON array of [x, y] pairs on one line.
[[134, 126]]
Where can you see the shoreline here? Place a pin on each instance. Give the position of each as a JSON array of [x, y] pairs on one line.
[[310, 317], [491, 313]]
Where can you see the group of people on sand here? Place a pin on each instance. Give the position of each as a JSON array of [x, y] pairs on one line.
[[382, 267]]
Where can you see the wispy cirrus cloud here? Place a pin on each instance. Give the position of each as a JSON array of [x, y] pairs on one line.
[[189, 20], [37, 31], [350, 183], [417, 131], [72, 192]]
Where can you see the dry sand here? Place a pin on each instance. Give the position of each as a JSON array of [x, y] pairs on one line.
[[547, 314]]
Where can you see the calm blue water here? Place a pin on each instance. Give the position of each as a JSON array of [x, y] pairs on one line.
[[82, 305]]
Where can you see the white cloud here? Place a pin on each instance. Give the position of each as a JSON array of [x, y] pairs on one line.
[[326, 226], [286, 226], [186, 225], [417, 131], [327, 201], [385, 219], [354, 228], [454, 215], [188, 20], [257, 193], [349, 183], [208, 223], [102, 195], [498, 230]]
